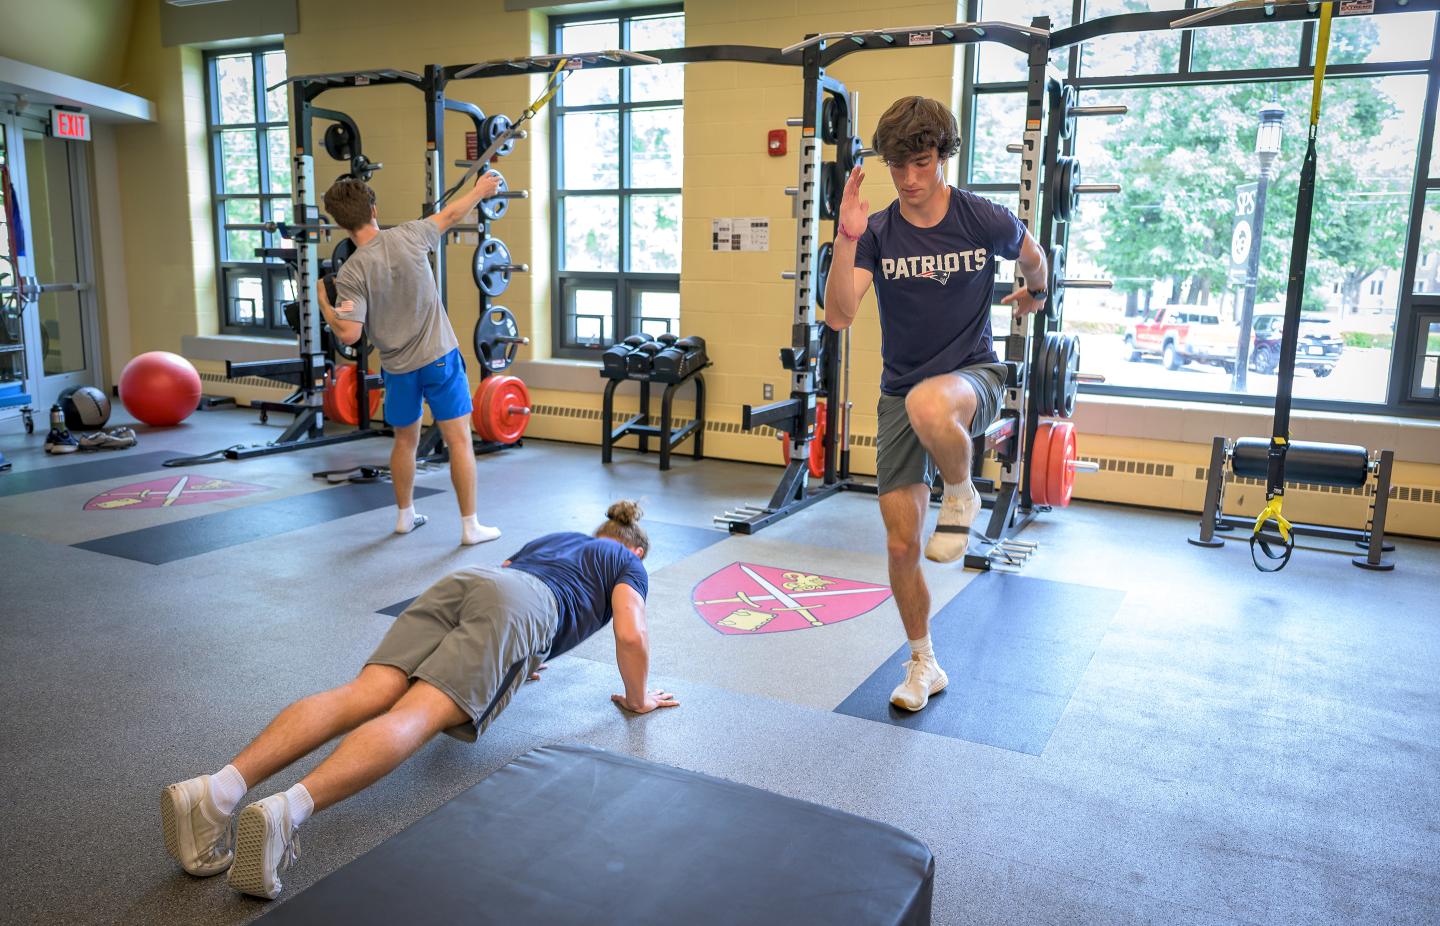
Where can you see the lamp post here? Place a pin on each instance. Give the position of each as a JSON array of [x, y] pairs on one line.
[[1267, 147]]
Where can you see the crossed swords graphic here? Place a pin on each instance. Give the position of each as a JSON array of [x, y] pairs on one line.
[[118, 499], [790, 602]]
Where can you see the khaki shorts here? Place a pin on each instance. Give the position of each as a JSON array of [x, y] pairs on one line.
[[477, 634], [901, 460]]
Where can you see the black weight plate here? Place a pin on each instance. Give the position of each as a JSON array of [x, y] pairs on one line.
[[494, 209], [338, 141], [492, 128], [832, 189], [1056, 282], [1040, 377], [495, 323], [847, 154], [1070, 99], [490, 267], [1064, 350], [834, 119], [822, 271], [1072, 386], [344, 248]]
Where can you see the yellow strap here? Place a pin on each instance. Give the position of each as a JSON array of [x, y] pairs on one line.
[[1322, 49], [1272, 513], [552, 86]]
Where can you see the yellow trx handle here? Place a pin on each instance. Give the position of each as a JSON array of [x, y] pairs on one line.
[[1272, 513]]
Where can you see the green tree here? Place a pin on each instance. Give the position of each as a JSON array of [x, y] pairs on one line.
[[1181, 151]]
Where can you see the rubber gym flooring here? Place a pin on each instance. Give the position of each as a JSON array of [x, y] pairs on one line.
[[1137, 731]]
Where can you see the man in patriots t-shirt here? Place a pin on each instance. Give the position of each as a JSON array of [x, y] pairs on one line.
[[931, 256]]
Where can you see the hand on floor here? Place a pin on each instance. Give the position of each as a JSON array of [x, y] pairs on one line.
[[653, 699], [535, 676]]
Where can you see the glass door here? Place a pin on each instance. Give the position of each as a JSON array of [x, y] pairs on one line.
[[14, 386], [61, 328]]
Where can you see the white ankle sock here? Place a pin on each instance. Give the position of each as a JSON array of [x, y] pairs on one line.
[[473, 532], [960, 491], [922, 647], [406, 520], [302, 805], [227, 787]]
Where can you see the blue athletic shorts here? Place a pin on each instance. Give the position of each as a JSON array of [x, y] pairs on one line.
[[440, 383]]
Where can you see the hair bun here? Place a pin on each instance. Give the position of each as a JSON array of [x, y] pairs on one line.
[[624, 512]]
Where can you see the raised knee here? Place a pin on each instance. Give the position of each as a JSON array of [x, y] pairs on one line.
[[927, 412]]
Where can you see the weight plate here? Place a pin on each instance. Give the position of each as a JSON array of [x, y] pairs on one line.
[[496, 208], [822, 271], [1064, 352], [338, 141], [495, 324], [847, 154], [343, 402], [491, 129], [1072, 367], [817, 443], [1069, 100], [344, 248], [502, 409], [491, 267], [834, 119], [832, 189], [1060, 464], [1039, 462]]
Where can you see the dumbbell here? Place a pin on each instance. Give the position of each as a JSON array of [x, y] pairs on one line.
[[612, 362], [667, 339], [638, 362]]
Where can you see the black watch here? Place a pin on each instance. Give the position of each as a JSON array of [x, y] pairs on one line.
[[1039, 294]]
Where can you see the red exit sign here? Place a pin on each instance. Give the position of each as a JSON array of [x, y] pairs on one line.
[[71, 125]]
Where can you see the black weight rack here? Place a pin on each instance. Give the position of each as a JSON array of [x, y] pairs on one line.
[[639, 425]]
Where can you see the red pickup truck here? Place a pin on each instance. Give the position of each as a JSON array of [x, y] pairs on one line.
[[1180, 334]]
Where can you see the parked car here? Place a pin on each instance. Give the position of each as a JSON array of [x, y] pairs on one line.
[[1181, 334], [1318, 348]]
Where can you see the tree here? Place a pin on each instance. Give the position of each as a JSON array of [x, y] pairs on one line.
[[1181, 151]]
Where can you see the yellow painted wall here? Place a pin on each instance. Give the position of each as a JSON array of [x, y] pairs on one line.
[[165, 194], [82, 38]]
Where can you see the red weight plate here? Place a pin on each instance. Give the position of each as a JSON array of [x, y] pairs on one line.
[[1060, 481], [507, 409], [345, 403], [479, 402], [1039, 464], [817, 445], [327, 400]]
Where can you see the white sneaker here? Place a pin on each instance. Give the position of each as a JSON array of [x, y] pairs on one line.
[[952, 527], [200, 845], [265, 844], [923, 678]]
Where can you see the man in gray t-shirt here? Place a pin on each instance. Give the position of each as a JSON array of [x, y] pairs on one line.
[[387, 289]]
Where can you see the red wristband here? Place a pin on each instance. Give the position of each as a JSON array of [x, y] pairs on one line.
[[840, 226]]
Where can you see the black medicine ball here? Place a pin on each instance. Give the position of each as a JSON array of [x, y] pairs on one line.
[[86, 408]]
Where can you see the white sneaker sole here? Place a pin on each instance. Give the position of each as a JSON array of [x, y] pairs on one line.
[[247, 872], [934, 556], [934, 690]]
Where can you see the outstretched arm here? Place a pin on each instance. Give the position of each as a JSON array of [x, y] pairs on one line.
[[632, 653], [486, 185], [1035, 269]]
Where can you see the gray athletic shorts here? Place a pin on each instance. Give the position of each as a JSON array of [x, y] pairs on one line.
[[477, 634], [901, 460]]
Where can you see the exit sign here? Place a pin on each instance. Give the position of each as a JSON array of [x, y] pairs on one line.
[[72, 125]]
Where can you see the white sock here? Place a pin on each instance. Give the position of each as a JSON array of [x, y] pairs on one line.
[[961, 492], [302, 805], [922, 648], [473, 532], [406, 521], [227, 787]]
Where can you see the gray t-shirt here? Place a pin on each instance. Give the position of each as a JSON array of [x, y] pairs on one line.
[[390, 280]]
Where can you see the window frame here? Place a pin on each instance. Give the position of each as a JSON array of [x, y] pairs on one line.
[[1409, 302], [272, 274], [625, 284]]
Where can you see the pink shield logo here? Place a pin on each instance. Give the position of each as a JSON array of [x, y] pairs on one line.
[[748, 598], [170, 491]]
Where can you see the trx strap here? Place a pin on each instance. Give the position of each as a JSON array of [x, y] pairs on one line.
[[1263, 546], [552, 86]]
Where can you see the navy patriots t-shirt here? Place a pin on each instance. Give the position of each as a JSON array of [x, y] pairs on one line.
[[934, 286], [582, 571]]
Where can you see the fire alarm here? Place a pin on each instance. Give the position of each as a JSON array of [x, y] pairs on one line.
[[776, 145]]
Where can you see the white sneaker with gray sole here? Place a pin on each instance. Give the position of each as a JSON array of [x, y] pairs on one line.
[[265, 845], [199, 844]]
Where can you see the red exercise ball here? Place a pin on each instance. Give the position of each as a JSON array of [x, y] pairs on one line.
[[160, 388]]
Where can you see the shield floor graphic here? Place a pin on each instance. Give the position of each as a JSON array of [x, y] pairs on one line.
[[746, 598], [171, 491]]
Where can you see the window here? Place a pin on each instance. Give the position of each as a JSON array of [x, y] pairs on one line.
[[250, 184], [618, 136]]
